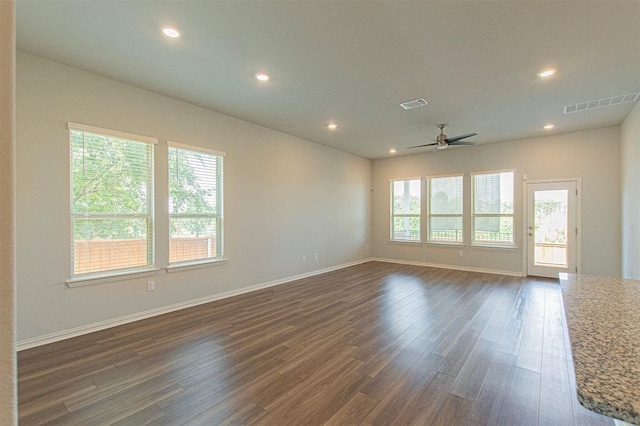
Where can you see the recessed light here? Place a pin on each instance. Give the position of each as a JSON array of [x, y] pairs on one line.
[[549, 126], [171, 32], [332, 126], [392, 151], [546, 73], [263, 76]]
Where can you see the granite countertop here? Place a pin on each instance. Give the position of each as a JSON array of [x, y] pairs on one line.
[[603, 318]]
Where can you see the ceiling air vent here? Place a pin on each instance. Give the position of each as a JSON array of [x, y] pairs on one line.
[[601, 103], [413, 104]]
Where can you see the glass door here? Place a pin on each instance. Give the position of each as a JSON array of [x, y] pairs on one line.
[[551, 228]]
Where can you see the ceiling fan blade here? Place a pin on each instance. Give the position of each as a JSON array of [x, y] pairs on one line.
[[457, 138], [420, 146], [461, 143]]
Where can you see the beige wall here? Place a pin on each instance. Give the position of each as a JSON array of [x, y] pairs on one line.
[[590, 155], [284, 198], [630, 183], [8, 396]]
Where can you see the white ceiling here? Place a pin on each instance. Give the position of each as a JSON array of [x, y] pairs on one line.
[[355, 61]]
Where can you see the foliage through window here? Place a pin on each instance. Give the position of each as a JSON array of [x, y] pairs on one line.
[[405, 210], [111, 201], [195, 204], [492, 209], [444, 212]]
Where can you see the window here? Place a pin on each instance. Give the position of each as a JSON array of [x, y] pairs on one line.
[[492, 210], [444, 213], [405, 210], [195, 204], [111, 201]]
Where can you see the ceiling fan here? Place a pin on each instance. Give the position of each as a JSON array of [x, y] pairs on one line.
[[443, 141]]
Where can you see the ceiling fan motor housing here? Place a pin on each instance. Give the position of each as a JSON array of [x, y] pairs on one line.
[[442, 140]]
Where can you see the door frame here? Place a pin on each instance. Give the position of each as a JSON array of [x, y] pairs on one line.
[[525, 220]]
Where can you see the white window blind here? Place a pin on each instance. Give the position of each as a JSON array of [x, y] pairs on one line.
[[445, 209], [406, 206], [492, 210], [195, 204], [111, 201]]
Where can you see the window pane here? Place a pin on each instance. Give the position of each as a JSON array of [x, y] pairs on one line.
[[445, 195], [493, 193], [406, 208], [109, 244], [494, 229], [109, 174], [406, 196], [195, 205], [193, 239], [111, 199], [445, 198], [446, 229], [406, 228], [493, 199], [551, 230], [193, 180]]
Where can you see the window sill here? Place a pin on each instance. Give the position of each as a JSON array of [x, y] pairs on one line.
[[443, 243], [495, 246], [185, 266], [417, 243], [104, 278]]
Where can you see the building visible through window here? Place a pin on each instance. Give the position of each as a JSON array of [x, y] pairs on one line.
[[492, 209], [444, 211]]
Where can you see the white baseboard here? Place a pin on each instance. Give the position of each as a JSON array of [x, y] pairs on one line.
[[90, 328], [454, 267]]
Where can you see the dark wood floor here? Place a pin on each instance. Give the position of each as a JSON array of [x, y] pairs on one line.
[[376, 343]]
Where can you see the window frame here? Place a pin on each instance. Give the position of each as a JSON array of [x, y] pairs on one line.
[[218, 215], [393, 215], [429, 215], [474, 215], [149, 216]]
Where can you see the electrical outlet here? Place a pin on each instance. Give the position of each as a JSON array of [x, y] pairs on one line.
[[304, 258], [151, 285], [316, 256], [461, 253]]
